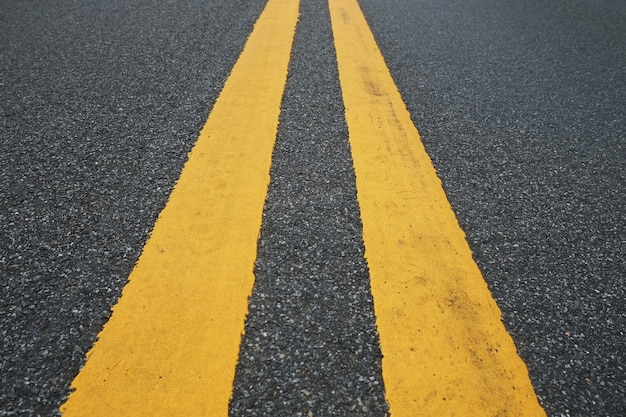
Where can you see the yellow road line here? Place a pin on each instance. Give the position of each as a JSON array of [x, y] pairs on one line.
[[171, 345], [446, 352]]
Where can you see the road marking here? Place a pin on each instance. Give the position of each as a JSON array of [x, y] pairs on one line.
[[171, 345], [446, 352]]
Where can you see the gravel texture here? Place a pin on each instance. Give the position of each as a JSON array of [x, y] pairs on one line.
[[99, 104]]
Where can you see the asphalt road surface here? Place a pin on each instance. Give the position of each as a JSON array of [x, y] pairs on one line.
[[520, 104]]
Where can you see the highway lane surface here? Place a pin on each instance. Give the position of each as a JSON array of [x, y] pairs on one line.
[[520, 105]]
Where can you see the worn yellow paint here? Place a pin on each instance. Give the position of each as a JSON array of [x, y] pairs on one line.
[[171, 345], [445, 350]]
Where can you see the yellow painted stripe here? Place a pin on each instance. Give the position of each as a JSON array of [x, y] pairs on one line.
[[171, 345], [446, 352]]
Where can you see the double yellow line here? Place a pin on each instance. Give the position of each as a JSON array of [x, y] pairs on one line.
[[171, 345]]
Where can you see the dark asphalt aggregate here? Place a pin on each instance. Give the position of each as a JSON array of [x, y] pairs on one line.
[[521, 105]]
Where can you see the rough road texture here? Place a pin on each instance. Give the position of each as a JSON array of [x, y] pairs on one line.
[[310, 346]]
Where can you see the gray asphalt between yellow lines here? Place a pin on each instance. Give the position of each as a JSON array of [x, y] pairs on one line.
[[520, 105], [310, 344]]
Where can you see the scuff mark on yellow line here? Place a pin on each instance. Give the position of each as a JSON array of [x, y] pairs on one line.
[[446, 351], [171, 345]]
